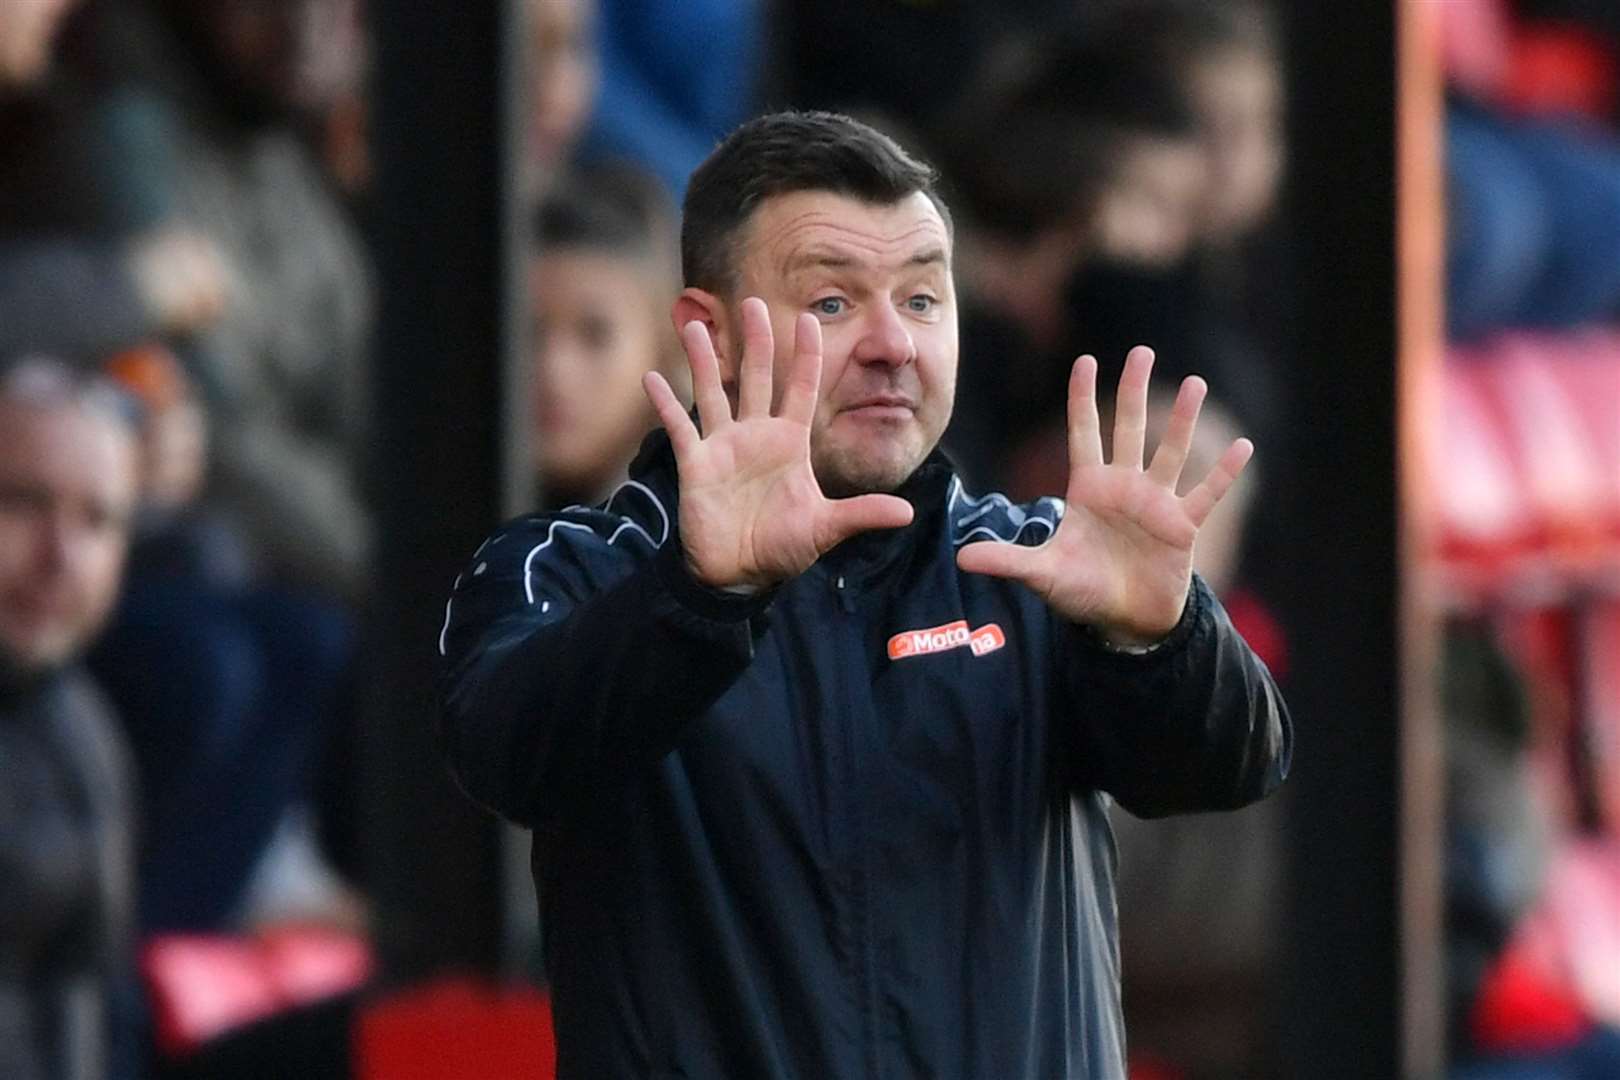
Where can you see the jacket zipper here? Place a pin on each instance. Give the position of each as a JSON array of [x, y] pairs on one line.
[[846, 601], [865, 963]]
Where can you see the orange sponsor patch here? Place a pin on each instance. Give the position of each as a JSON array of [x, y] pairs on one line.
[[951, 635]]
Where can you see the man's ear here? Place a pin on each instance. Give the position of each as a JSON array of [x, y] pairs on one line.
[[696, 305]]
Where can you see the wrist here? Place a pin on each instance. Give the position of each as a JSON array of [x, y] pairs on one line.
[[742, 587], [1130, 644], [717, 603], [1136, 641]]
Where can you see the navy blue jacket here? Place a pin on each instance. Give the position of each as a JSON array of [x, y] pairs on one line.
[[854, 827]]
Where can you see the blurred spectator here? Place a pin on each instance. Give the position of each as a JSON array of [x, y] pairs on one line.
[[675, 78], [199, 106], [1200, 307], [163, 176], [228, 683], [563, 71], [1068, 151], [599, 289], [67, 494], [1224, 57], [68, 285], [1116, 174]]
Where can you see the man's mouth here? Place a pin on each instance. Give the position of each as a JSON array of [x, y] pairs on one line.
[[882, 407]]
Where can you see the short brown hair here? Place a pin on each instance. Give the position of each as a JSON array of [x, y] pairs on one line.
[[778, 154]]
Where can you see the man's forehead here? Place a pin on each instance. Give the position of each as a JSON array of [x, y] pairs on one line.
[[819, 227]]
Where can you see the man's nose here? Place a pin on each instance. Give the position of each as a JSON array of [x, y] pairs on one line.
[[886, 339]]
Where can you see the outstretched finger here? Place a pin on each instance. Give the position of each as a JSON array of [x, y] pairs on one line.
[[1085, 432], [997, 558], [847, 517], [714, 411], [1203, 498], [683, 434], [759, 349], [1171, 456], [1130, 407], [804, 381]]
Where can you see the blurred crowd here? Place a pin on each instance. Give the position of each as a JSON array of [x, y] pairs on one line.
[[186, 319], [1532, 272]]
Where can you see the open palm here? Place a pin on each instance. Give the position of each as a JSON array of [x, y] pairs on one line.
[[1121, 558], [751, 510]]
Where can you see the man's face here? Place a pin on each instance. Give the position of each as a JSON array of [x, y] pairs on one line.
[[67, 488], [878, 277]]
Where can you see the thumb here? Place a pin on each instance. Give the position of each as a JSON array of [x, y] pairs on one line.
[[998, 559], [846, 517]]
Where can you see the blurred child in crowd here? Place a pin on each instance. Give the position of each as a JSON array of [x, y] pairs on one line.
[[1067, 152], [1217, 64], [600, 282]]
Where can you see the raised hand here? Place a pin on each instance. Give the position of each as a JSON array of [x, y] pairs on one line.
[[752, 512], [1121, 559]]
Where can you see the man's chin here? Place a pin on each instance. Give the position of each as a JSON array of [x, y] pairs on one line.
[[842, 475]]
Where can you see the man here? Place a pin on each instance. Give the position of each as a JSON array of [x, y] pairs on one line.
[[819, 780], [67, 490]]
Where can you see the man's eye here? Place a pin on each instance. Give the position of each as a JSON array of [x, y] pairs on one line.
[[829, 305], [921, 303]]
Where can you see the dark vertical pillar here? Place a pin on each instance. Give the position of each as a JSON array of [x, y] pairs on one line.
[[1345, 995], [442, 121]]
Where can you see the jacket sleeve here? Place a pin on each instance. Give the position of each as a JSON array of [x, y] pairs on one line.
[[1196, 724], [575, 652]]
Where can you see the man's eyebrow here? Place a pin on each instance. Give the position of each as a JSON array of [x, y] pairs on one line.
[[807, 260]]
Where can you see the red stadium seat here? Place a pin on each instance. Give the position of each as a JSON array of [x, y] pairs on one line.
[[1548, 438], [1483, 516], [457, 1029], [1525, 467]]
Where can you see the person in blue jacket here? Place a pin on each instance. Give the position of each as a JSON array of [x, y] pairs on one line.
[[817, 747]]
